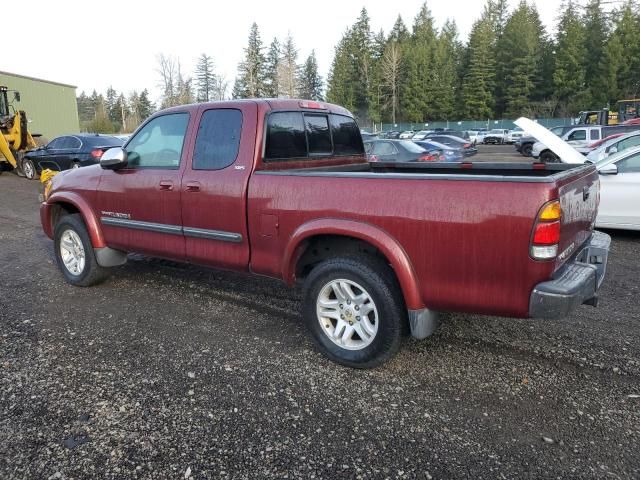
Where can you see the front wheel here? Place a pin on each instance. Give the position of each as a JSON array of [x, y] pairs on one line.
[[74, 253], [548, 157], [29, 169], [354, 309], [526, 149]]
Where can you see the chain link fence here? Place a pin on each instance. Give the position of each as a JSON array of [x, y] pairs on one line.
[[462, 124]]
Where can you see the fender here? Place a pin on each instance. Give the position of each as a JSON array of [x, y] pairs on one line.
[[376, 236], [90, 219]]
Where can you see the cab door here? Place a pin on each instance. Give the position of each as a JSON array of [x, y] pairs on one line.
[[578, 138], [214, 186], [620, 195], [139, 205]]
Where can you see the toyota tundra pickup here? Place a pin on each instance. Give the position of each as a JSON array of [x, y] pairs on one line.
[[283, 188]]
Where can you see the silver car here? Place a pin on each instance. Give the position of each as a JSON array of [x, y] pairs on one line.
[[614, 145]]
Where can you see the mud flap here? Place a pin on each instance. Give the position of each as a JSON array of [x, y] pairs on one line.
[[423, 322]]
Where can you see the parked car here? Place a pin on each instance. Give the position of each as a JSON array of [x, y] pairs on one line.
[[68, 151], [524, 145], [397, 151], [407, 134], [380, 248], [448, 153], [454, 142], [463, 134], [421, 135], [514, 136], [620, 190], [497, 135], [581, 137], [618, 142]]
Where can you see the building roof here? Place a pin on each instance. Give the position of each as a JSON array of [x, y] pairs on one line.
[[37, 79]]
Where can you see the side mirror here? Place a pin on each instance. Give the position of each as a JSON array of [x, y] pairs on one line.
[[16, 96], [114, 158], [609, 169]]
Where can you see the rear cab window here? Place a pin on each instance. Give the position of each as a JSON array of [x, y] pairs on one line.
[[307, 135], [218, 139]]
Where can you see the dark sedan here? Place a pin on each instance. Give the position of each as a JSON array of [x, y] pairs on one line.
[[451, 154], [454, 142], [398, 151], [68, 151]]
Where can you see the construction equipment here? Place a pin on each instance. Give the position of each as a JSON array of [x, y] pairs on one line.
[[15, 138]]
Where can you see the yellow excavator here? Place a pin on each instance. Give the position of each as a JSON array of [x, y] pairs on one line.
[[15, 138]]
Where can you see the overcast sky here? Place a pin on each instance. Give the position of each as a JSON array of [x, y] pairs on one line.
[[116, 44]]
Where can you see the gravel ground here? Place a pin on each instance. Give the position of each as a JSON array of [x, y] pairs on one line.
[[170, 371]]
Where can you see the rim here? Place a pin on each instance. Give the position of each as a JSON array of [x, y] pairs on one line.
[[75, 165], [28, 169], [72, 252], [347, 314]]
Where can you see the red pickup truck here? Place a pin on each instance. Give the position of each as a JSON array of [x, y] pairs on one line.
[[283, 188]]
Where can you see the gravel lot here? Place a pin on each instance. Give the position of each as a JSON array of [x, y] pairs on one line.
[[170, 371]]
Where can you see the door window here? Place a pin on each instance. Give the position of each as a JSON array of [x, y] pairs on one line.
[[577, 135], [56, 143], [630, 164], [286, 136], [628, 142], [594, 135], [218, 139], [318, 134], [383, 148], [159, 143]]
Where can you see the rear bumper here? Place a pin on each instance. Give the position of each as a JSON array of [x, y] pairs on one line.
[[577, 282]]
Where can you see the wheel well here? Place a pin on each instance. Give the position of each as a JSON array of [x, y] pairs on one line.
[[61, 209], [321, 247]]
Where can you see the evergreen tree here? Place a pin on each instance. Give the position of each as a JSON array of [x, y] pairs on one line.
[[520, 55], [340, 85], [596, 31], [444, 77], [205, 78], [479, 79], [626, 46], [288, 69], [569, 74], [376, 106], [86, 109], [145, 106], [250, 80], [310, 86], [272, 61], [111, 107], [416, 94]]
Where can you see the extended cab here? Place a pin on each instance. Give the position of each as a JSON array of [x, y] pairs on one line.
[[282, 188]]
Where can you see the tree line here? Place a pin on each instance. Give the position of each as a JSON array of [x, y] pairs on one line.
[[510, 65], [113, 112]]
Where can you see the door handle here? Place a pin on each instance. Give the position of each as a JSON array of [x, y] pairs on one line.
[[166, 185], [192, 186]]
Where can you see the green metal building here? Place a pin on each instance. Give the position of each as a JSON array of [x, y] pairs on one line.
[[51, 106]]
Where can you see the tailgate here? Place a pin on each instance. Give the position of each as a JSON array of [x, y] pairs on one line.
[[579, 195]]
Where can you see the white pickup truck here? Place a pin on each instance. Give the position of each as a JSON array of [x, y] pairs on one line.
[[497, 135]]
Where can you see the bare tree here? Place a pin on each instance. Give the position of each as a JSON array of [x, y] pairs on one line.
[[220, 87], [168, 71], [391, 66], [288, 69]]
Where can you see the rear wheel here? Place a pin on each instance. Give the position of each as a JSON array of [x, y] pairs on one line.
[[354, 309], [75, 164], [526, 149], [74, 253]]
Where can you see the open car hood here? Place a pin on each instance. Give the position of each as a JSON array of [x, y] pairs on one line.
[[563, 150]]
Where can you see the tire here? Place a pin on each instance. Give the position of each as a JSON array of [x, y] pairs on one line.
[[548, 157], [29, 169], [526, 149], [71, 230], [75, 164], [366, 277]]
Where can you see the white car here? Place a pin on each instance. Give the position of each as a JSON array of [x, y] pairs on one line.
[[514, 136], [421, 135], [620, 190], [406, 134], [614, 145]]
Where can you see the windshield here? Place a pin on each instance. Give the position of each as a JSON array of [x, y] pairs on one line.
[[557, 130], [496, 131], [412, 147]]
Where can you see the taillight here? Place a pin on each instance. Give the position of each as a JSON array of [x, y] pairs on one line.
[[96, 153], [428, 157], [310, 104], [467, 145], [373, 158], [546, 232]]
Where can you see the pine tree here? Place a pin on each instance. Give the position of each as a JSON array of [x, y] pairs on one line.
[[416, 95], [310, 83], [378, 44], [288, 69], [205, 78], [443, 73], [272, 61], [569, 74], [626, 36], [520, 55], [86, 110], [340, 85], [479, 79], [145, 106], [111, 108], [251, 76], [597, 31]]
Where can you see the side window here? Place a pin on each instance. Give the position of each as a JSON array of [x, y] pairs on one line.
[[218, 139], [318, 134], [159, 143], [384, 148], [577, 135], [629, 165], [286, 136], [628, 142], [55, 144], [346, 136], [594, 135]]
